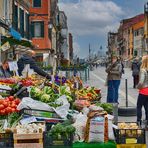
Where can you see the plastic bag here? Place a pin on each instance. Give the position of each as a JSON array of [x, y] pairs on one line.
[[29, 103], [110, 127], [80, 126], [62, 111]]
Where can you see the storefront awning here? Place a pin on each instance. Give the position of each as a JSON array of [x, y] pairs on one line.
[[12, 41], [16, 35]]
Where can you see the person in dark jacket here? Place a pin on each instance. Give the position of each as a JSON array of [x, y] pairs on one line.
[[4, 70], [135, 72], [28, 58]]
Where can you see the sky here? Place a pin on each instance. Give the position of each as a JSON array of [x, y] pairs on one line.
[[89, 21]]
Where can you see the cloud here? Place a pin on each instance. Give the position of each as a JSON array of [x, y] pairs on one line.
[[92, 17]]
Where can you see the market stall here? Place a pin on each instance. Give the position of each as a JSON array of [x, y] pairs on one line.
[[38, 113]]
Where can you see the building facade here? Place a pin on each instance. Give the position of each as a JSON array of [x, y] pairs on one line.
[[138, 33], [40, 31]]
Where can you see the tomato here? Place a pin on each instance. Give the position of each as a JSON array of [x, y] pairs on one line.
[[13, 109], [2, 106], [8, 110], [13, 105], [11, 98], [5, 103], [2, 112], [7, 99], [1, 101], [17, 101]]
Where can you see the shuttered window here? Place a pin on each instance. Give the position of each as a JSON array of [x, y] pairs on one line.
[[22, 22], [15, 17], [37, 29], [27, 26], [36, 3]]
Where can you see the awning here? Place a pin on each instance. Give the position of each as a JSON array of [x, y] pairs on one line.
[[12, 41], [15, 34]]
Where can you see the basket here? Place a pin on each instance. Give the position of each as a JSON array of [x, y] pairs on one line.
[[130, 136], [6, 140], [62, 142]]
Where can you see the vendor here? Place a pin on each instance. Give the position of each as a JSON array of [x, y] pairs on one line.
[[4, 70], [28, 58]]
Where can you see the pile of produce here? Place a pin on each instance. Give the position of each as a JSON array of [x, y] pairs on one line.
[[30, 128], [89, 93], [8, 105], [49, 95], [108, 107], [129, 129], [62, 129], [8, 81]]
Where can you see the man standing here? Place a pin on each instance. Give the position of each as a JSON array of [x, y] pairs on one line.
[[135, 72], [28, 58]]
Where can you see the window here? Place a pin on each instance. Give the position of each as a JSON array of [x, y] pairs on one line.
[[36, 3], [15, 17], [37, 29], [27, 25], [22, 22]]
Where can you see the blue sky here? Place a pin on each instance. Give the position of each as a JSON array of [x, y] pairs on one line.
[[90, 20]]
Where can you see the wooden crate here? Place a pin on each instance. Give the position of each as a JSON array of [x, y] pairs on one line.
[[28, 140]]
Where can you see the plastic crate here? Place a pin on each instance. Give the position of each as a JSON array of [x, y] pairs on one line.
[[131, 145], [63, 142], [6, 140], [130, 136]]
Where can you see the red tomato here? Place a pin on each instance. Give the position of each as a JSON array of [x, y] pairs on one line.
[[5, 103], [13, 110], [2, 112], [2, 106], [11, 98], [7, 99], [8, 110], [1, 101], [17, 101], [13, 105]]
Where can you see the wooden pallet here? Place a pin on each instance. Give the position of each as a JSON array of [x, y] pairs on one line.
[[28, 140]]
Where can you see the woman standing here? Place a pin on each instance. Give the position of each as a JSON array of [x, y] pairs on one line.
[[143, 90], [114, 71]]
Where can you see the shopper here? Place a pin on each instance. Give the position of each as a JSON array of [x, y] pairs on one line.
[[114, 71], [135, 71], [4, 70], [143, 90], [28, 58]]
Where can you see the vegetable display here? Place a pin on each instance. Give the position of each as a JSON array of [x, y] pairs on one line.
[[8, 105], [61, 129]]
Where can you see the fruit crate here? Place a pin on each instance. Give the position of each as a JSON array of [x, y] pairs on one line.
[[28, 140], [130, 136], [60, 142], [6, 140], [131, 145]]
